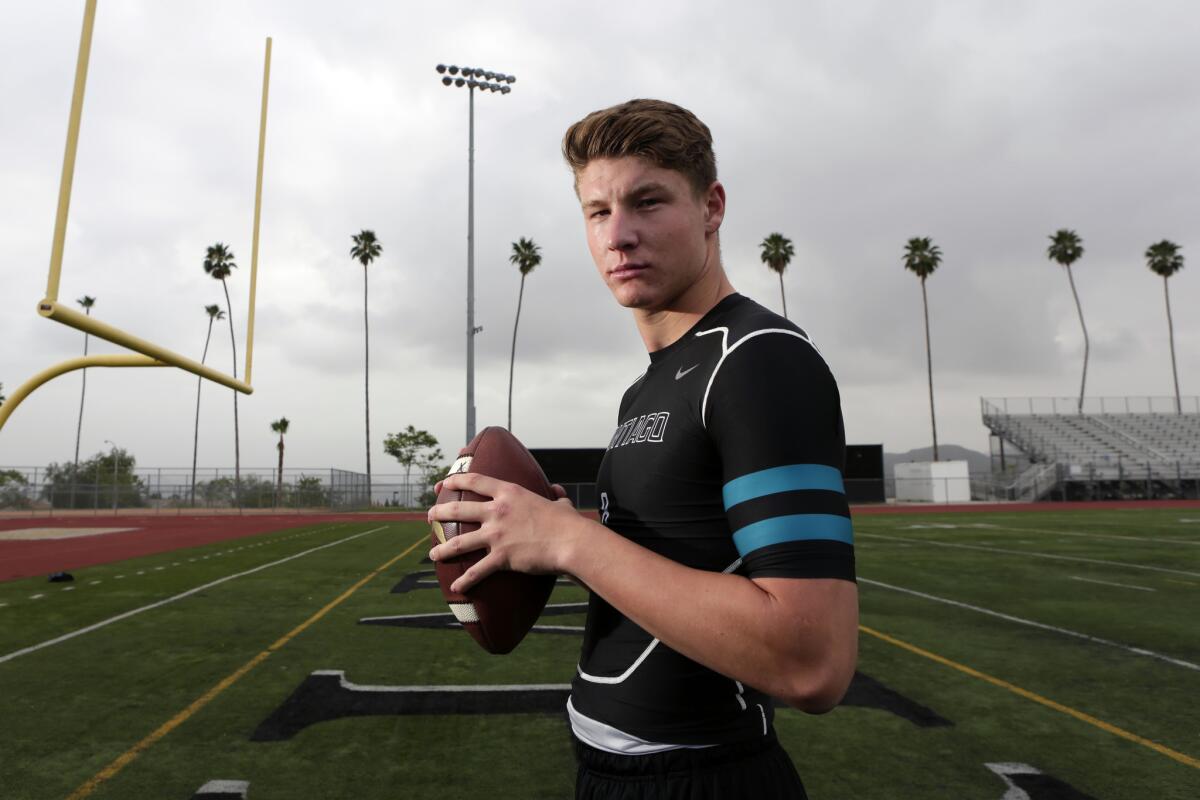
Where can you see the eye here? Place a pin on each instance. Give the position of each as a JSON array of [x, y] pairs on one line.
[[599, 213], [649, 202]]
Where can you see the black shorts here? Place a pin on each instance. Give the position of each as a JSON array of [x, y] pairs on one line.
[[759, 769]]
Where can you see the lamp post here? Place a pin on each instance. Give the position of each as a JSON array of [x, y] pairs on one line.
[[114, 458], [473, 78]]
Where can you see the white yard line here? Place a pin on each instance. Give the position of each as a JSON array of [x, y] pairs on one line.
[[1110, 583], [68, 636], [1097, 535], [1021, 621], [1029, 553]]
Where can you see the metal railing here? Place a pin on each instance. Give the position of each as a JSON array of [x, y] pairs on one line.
[[1091, 405]]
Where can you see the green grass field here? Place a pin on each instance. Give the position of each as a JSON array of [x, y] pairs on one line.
[[158, 703]]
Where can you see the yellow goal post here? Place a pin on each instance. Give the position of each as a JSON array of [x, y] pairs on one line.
[[146, 353]]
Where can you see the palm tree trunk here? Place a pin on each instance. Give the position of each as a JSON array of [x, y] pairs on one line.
[[237, 446], [196, 432], [79, 426], [279, 489], [367, 380], [512, 360], [1079, 308], [782, 296], [929, 367], [1171, 331]]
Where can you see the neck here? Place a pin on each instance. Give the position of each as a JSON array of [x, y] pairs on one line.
[[662, 327]]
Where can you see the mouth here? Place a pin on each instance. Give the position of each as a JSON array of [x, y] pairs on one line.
[[623, 272]]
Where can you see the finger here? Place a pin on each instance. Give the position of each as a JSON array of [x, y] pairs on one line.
[[437, 487], [478, 571], [458, 511], [457, 545], [559, 491], [478, 483]]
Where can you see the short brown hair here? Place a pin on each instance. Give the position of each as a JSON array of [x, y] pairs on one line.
[[663, 133]]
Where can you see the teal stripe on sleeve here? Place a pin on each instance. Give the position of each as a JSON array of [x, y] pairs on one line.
[[793, 528], [793, 477]]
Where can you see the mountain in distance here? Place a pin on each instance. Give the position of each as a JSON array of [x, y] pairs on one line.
[[976, 462]]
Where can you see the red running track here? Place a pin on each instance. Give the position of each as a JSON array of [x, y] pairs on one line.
[[156, 534], [151, 535]]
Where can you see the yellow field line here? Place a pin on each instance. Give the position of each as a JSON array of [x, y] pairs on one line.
[[200, 702], [1037, 698]]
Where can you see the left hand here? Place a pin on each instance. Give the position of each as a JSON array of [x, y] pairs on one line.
[[521, 531]]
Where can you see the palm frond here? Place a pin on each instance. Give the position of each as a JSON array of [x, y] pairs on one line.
[[526, 255], [1066, 247], [922, 256], [1164, 258], [367, 246], [777, 251]]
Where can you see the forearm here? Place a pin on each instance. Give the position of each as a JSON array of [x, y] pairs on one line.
[[743, 629]]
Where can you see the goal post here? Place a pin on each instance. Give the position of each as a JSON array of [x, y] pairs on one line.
[[148, 353]]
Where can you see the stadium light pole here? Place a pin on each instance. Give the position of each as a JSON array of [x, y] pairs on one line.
[[473, 78], [114, 458]]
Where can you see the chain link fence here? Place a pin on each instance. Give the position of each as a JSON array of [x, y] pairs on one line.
[[162, 490]]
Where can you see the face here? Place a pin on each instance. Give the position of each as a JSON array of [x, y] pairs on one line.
[[653, 240]]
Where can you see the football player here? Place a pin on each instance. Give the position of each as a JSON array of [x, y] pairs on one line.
[[721, 572]]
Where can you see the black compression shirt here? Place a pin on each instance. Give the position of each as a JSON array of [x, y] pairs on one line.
[[727, 456]]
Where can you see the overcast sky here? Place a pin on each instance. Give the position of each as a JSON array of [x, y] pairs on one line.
[[847, 126]]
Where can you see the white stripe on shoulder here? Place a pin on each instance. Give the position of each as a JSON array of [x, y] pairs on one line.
[[727, 348]]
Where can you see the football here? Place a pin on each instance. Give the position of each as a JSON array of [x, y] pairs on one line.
[[499, 610]]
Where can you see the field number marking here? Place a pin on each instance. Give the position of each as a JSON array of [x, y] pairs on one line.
[[1110, 583], [1186, 760], [936, 543], [1022, 621], [200, 702], [96, 626]]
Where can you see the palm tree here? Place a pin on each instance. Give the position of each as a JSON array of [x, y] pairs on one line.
[[526, 255], [87, 303], [280, 426], [777, 252], [214, 313], [366, 249], [922, 256], [218, 263], [1165, 259], [1066, 248]]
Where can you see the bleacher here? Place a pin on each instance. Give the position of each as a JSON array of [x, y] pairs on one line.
[[1112, 446]]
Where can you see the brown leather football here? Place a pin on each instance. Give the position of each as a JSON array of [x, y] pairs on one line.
[[499, 610]]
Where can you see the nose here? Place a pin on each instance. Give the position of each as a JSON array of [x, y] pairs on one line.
[[622, 232]]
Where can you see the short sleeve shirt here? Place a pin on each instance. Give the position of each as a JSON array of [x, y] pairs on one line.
[[727, 456]]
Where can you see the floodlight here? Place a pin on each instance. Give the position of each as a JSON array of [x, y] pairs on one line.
[[459, 82], [453, 70], [447, 80], [489, 75], [440, 68]]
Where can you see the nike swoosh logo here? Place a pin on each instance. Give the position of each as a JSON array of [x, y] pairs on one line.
[[679, 373]]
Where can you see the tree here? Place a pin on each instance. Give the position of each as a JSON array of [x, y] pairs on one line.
[[411, 447], [1165, 259], [1066, 248], [214, 313], [13, 487], [366, 249], [777, 252], [86, 302], [922, 257], [99, 471], [218, 263], [526, 255], [280, 426]]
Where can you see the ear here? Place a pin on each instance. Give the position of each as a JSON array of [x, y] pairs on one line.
[[714, 207]]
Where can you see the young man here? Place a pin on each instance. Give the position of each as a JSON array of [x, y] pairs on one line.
[[722, 569]]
